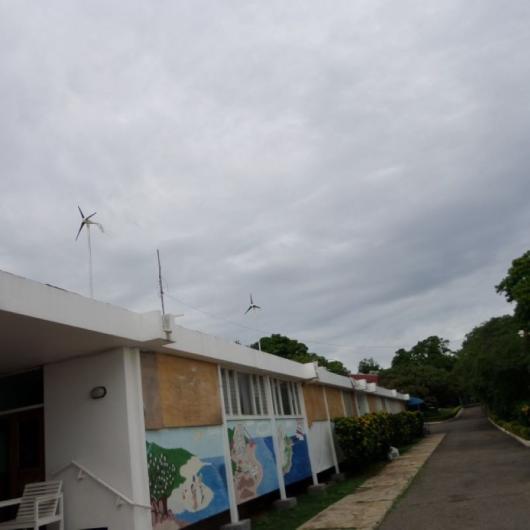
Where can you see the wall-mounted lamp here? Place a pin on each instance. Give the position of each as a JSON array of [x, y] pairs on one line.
[[98, 392]]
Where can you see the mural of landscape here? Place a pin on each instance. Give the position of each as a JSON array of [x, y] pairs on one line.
[[252, 456], [187, 476], [292, 445]]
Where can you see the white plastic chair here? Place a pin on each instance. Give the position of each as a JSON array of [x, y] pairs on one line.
[[41, 503]]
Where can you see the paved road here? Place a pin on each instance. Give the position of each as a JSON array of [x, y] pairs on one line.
[[478, 478]]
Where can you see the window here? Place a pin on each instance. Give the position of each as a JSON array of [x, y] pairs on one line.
[[243, 394], [286, 401]]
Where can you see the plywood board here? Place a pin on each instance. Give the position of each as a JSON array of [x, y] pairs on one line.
[[314, 403], [151, 391], [336, 408], [349, 403], [189, 392], [375, 403]]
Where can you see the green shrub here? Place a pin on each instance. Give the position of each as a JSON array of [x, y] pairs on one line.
[[368, 438], [513, 426]]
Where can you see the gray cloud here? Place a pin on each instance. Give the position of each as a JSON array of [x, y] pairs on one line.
[[362, 169]]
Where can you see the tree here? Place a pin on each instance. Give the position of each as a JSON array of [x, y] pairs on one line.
[[494, 365], [368, 365], [516, 288], [163, 468], [297, 351], [424, 371], [432, 351]]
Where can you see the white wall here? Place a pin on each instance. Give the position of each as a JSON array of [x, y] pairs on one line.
[[320, 447], [107, 436]]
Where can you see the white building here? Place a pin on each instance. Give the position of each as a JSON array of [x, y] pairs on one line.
[[111, 402]]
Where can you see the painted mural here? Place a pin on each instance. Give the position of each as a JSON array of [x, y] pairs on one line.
[[292, 447], [252, 456], [187, 476]]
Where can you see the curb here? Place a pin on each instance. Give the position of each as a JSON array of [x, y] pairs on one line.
[[522, 441], [448, 419]]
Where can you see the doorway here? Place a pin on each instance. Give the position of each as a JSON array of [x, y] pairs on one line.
[[21, 436]]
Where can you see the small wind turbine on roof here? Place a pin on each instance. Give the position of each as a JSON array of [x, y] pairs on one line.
[[86, 221], [253, 308]]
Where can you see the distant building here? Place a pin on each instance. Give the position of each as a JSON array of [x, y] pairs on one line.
[[369, 378]]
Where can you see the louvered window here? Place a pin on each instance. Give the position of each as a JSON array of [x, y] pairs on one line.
[[243, 394], [286, 400]]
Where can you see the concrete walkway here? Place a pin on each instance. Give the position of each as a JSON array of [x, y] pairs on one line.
[[479, 478], [366, 508]]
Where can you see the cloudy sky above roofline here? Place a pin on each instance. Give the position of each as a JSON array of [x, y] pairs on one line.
[[360, 167]]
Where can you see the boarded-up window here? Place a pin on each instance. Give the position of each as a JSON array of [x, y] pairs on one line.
[[362, 403], [349, 405], [314, 403], [180, 392], [336, 409]]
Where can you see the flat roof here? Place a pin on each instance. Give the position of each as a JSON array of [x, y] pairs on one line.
[[42, 324]]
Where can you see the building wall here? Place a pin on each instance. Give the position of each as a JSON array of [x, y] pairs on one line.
[[185, 457], [106, 436], [207, 453]]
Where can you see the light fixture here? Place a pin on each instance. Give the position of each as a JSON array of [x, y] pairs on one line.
[[98, 392]]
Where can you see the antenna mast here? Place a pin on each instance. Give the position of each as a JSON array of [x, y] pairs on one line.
[[160, 282]]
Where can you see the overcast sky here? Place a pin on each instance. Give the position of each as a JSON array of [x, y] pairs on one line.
[[361, 167]]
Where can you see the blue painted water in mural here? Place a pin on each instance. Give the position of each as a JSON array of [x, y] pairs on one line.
[[213, 475], [300, 466], [265, 455]]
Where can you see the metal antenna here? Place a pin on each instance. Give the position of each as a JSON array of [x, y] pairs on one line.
[[160, 282]]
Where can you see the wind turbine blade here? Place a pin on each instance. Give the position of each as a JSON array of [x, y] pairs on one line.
[[81, 211], [257, 307], [91, 215], [251, 301], [79, 231], [100, 226], [248, 310]]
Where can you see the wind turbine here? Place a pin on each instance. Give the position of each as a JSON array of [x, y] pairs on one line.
[[253, 307], [86, 221]]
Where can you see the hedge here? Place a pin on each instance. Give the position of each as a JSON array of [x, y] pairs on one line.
[[368, 438]]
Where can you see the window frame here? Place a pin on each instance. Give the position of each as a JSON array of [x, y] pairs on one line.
[[230, 385], [293, 398]]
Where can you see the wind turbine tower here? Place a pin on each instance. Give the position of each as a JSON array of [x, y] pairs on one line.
[[254, 308], [86, 221]]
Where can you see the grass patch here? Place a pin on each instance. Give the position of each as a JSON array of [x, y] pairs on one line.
[[441, 414], [310, 505], [514, 427]]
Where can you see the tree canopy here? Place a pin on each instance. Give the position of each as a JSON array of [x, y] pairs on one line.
[[368, 365], [424, 371], [516, 288], [494, 365], [297, 351]]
